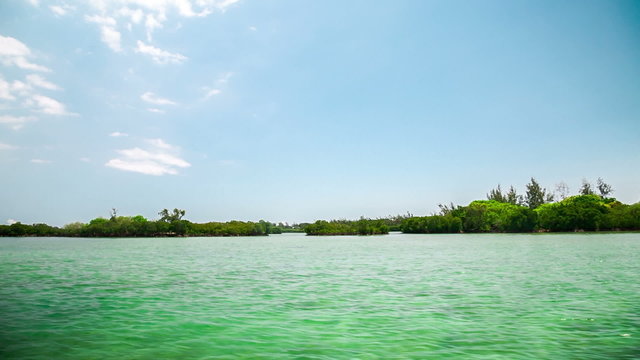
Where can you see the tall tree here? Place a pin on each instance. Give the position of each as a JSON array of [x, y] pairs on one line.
[[512, 196], [536, 195], [562, 190], [586, 188], [170, 217], [603, 188], [496, 194]]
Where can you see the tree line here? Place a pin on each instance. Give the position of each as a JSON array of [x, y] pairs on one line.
[[170, 223], [536, 210], [592, 209]]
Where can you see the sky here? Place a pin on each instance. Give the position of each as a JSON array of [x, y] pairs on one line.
[[295, 111]]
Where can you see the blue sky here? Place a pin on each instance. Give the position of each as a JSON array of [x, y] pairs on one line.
[[303, 110]]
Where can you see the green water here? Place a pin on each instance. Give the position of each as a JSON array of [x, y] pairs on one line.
[[574, 296]]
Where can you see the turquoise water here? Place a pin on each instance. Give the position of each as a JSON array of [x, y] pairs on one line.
[[574, 296]]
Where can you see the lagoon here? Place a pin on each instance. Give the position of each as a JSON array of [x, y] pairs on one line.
[[397, 296]]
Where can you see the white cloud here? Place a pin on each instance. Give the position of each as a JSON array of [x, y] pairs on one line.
[[25, 91], [152, 23], [111, 37], [40, 161], [158, 159], [159, 143], [134, 15], [39, 81], [157, 111], [118, 134], [5, 90], [49, 106], [85, 159], [15, 122], [160, 56], [14, 52], [108, 33], [153, 99], [101, 20], [253, 28], [61, 10], [11, 221], [221, 81], [224, 77], [4, 146], [210, 92], [224, 4], [58, 10]]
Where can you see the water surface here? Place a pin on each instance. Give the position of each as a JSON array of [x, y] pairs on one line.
[[573, 296]]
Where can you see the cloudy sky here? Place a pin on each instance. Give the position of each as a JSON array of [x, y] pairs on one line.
[[302, 110]]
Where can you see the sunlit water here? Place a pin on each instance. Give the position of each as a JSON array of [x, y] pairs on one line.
[[574, 296]]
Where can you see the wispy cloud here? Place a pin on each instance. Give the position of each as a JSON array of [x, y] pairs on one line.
[[24, 97], [15, 122], [158, 158], [61, 10], [157, 111], [208, 92], [49, 106], [14, 53], [160, 56], [39, 81], [6, 90], [224, 77], [118, 134], [151, 98], [40, 161], [4, 146], [220, 82]]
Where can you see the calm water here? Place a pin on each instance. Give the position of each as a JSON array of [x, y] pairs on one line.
[[399, 296]]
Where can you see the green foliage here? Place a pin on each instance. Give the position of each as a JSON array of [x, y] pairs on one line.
[[494, 216], [496, 194], [231, 228], [580, 212], [622, 217], [346, 227], [536, 195], [167, 216], [436, 224], [478, 216], [512, 197]]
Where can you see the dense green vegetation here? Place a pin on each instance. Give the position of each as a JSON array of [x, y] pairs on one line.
[[536, 210], [169, 224], [347, 227]]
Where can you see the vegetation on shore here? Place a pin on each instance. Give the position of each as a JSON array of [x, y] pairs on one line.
[[535, 211], [347, 227], [169, 224]]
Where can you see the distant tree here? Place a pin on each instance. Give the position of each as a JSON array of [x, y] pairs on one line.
[[114, 214], [586, 188], [166, 216], [603, 188], [496, 194], [536, 195], [562, 190], [512, 197], [446, 209]]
